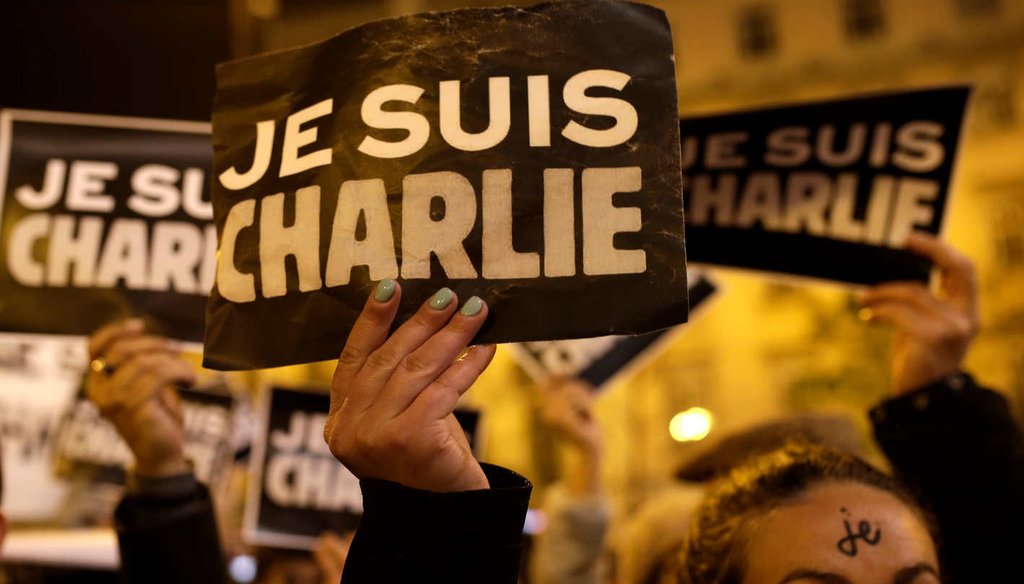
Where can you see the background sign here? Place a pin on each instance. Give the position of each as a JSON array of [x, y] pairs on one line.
[[101, 218], [89, 448], [297, 489], [599, 361], [825, 190], [545, 186], [38, 379]]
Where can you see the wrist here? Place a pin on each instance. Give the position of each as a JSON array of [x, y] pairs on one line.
[[163, 467], [176, 486], [475, 480]]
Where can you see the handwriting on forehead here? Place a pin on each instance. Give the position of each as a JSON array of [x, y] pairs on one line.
[[848, 544]]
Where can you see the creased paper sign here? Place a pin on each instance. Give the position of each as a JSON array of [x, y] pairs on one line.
[[827, 190], [104, 217], [529, 156]]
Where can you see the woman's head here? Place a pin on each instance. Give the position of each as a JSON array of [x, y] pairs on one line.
[[808, 515]]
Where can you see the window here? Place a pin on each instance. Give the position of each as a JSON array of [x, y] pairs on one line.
[[758, 37], [978, 7], [864, 19]]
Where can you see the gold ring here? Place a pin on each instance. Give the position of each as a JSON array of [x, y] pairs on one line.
[[100, 365]]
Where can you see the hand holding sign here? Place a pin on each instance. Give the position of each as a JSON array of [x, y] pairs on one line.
[[933, 331], [393, 396], [132, 381]]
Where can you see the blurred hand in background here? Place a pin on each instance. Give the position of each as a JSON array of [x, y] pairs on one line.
[[933, 329], [567, 407], [132, 379]]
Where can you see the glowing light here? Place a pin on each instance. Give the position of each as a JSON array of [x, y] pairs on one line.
[[691, 425], [242, 568]]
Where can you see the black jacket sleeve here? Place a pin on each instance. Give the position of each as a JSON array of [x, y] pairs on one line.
[[413, 536], [167, 532], [957, 447]]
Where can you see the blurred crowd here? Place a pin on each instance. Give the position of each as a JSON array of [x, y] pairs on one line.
[[790, 500]]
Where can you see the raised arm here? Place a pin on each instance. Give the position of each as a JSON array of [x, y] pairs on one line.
[[166, 526], [432, 513], [953, 442]]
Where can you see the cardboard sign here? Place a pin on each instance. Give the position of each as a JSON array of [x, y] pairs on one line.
[[297, 489], [826, 190], [102, 218], [602, 360], [89, 447], [450, 149], [38, 379]]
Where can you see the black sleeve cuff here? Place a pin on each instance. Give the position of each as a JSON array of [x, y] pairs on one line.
[[180, 486], [952, 400], [485, 517], [414, 536], [950, 424]]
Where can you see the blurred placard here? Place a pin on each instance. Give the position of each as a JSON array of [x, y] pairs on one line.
[[88, 447], [297, 489], [827, 190], [601, 361], [104, 217], [38, 379], [550, 187]]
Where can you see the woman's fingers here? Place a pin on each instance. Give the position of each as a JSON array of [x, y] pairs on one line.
[[912, 293], [124, 348], [959, 277], [439, 398], [368, 334], [101, 340], [397, 351], [433, 359]]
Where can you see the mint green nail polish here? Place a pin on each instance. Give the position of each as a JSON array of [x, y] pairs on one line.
[[441, 299], [385, 290], [472, 306]]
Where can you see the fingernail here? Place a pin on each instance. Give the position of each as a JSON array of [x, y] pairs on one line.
[[465, 353], [441, 299], [472, 306], [135, 324], [865, 314], [385, 290]]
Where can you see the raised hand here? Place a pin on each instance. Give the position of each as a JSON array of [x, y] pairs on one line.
[[132, 380], [393, 394], [933, 330], [567, 408]]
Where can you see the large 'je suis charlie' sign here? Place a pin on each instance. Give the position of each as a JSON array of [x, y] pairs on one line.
[[528, 156]]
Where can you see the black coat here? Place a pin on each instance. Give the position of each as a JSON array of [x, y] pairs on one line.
[[956, 446]]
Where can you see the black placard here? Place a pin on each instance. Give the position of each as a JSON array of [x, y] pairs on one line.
[[827, 190], [297, 489], [527, 156], [104, 217]]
